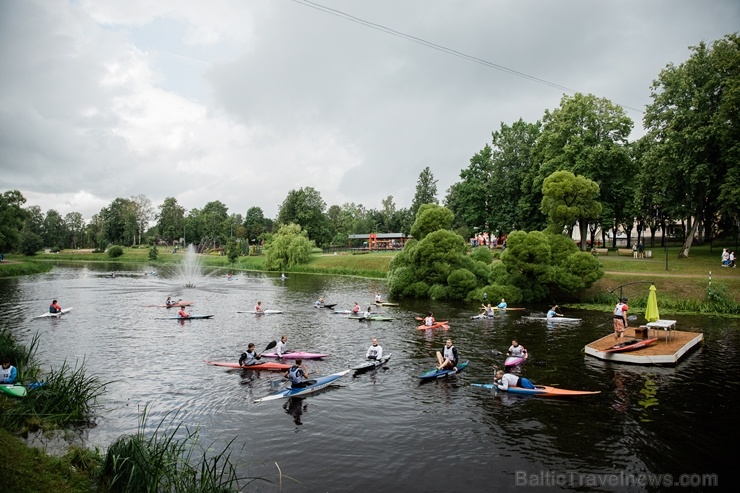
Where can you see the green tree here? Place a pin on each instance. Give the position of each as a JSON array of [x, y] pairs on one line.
[[288, 247], [588, 136], [430, 218], [75, 226], [153, 253], [426, 190], [255, 224], [568, 199], [306, 208], [143, 212], [29, 242], [55, 230], [171, 220], [12, 216], [694, 128]]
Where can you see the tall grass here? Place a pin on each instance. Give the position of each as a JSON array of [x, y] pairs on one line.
[[67, 398], [23, 268], [22, 357], [170, 459]]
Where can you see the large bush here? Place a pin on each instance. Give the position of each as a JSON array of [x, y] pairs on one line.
[[115, 251]]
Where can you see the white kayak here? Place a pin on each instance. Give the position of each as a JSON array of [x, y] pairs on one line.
[[263, 312], [562, 320], [57, 314], [312, 386]]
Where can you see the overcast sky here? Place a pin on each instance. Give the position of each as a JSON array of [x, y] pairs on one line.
[[244, 100]]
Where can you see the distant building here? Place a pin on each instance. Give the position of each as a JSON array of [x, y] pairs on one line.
[[378, 241]]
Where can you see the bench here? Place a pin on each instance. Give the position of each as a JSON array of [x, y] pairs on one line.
[[601, 251], [624, 251]]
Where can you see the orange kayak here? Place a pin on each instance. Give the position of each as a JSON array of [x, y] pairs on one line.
[[436, 325]]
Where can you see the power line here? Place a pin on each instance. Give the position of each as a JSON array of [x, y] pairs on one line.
[[434, 46]]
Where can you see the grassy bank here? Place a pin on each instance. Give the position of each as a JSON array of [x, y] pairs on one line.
[[12, 268]]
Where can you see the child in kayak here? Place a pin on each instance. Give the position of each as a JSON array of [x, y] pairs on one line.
[[282, 346], [297, 374], [429, 320], [8, 373], [447, 358], [182, 313], [54, 307], [516, 350], [375, 351], [258, 307], [505, 380], [250, 357]]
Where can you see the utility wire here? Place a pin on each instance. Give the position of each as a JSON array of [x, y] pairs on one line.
[[434, 46]]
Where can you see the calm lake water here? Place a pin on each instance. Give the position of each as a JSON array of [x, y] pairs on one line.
[[385, 431]]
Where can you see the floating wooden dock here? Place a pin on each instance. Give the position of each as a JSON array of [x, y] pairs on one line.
[[670, 347]]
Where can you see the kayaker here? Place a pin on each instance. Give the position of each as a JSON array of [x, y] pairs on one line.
[[368, 313], [356, 309], [258, 307], [378, 299], [8, 373], [320, 302], [250, 357], [182, 313], [297, 374], [505, 380], [375, 351], [502, 305], [282, 346], [620, 320], [429, 320], [487, 310], [517, 351], [54, 307], [169, 301], [447, 358], [553, 312]]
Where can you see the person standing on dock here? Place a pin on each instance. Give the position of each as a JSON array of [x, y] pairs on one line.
[[620, 320]]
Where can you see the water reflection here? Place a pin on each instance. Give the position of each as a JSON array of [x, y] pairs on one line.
[[384, 422]]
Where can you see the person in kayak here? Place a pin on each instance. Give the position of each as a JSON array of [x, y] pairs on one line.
[[54, 307], [320, 302], [375, 351], [553, 312], [368, 313], [282, 346], [8, 372], [505, 380], [182, 313], [517, 351], [356, 309], [502, 305], [250, 357], [297, 374], [429, 320], [258, 307], [447, 358], [169, 301], [487, 310], [620, 320]]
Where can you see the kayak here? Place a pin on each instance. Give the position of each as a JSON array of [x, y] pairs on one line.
[[371, 318], [331, 306], [562, 320], [436, 325], [312, 386], [435, 373], [385, 303], [189, 317], [539, 390], [58, 314], [514, 360], [14, 390], [631, 345], [507, 309], [296, 355], [176, 304], [371, 364], [263, 312], [266, 365], [482, 316], [342, 312]]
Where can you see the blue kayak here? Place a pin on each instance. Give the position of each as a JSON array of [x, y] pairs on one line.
[[314, 385], [435, 373]]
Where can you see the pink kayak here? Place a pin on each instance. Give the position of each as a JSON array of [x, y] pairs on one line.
[[514, 360], [296, 355]]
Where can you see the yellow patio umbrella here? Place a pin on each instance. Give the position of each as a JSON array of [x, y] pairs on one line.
[[651, 311]]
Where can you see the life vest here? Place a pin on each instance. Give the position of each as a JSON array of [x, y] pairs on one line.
[[449, 353], [296, 375], [619, 310]]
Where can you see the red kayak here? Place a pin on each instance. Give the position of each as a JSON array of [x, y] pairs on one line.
[[436, 325], [267, 365], [631, 345]]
